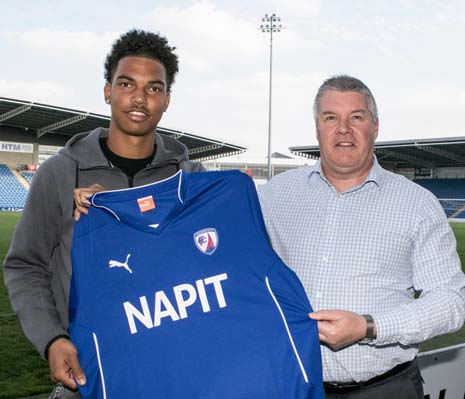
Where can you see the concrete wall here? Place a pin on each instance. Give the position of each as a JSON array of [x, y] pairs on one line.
[[14, 136]]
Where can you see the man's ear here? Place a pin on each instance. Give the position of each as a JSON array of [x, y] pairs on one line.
[[167, 101], [107, 92], [376, 129], [317, 133]]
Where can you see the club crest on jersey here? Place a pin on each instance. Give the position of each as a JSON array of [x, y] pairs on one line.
[[206, 240]]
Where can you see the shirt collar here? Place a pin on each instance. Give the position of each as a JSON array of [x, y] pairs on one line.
[[376, 175]]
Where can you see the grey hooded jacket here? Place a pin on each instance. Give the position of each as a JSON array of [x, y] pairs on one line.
[[37, 268]]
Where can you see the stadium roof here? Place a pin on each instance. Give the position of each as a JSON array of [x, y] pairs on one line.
[[427, 153], [46, 120]]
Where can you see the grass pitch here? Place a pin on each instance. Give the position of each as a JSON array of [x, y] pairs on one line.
[[459, 230], [24, 373], [459, 336]]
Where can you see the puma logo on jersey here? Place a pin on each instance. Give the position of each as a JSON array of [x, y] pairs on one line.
[[125, 265], [208, 291]]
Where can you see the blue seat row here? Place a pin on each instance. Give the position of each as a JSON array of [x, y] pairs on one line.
[[12, 193]]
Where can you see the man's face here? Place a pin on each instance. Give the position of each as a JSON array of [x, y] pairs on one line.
[[346, 133], [138, 96]]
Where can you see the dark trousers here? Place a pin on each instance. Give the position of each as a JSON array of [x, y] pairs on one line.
[[407, 384]]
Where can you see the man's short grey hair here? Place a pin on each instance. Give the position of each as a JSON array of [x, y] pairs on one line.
[[345, 83]]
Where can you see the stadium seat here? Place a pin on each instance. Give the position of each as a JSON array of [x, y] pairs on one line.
[[450, 192], [12, 193], [28, 176], [444, 188]]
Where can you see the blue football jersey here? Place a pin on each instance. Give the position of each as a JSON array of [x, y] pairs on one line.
[[176, 293]]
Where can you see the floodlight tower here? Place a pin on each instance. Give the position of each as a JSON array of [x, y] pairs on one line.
[[271, 24]]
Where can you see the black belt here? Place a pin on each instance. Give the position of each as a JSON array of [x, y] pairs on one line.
[[345, 387]]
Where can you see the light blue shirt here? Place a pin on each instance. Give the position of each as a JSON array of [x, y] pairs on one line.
[[368, 250]]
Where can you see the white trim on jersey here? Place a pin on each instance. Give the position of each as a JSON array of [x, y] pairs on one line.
[[302, 369], [179, 188], [102, 377], [108, 209], [136, 188]]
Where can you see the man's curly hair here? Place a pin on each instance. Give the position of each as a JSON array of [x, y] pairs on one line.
[[139, 43]]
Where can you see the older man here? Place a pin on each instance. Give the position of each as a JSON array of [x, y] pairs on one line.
[[374, 251]]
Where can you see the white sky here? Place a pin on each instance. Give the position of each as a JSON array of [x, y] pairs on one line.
[[411, 53]]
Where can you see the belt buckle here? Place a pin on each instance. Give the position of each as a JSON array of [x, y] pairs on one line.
[[341, 387]]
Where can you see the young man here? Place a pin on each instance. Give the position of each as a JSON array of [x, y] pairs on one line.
[[363, 240], [139, 73]]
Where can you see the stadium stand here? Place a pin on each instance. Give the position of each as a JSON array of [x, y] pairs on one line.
[[13, 195], [450, 192], [444, 188], [461, 215], [28, 176]]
